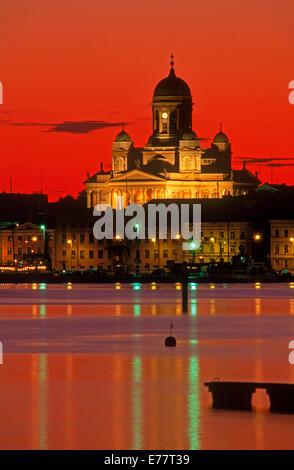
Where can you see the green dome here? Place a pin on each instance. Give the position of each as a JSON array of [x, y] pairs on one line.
[[221, 138], [190, 135], [123, 137]]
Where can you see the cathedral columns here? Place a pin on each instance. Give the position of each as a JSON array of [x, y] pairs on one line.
[[144, 195], [131, 196], [110, 197], [88, 199]]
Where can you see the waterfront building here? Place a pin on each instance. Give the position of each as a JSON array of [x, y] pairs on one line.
[[27, 245], [220, 242], [76, 247], [282, 245]]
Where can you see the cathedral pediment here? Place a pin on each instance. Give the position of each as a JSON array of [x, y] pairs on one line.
[[135, 175]]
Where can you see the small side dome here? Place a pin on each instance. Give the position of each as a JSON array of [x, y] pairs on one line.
[[220, 137], [123, 136], [190, 135]]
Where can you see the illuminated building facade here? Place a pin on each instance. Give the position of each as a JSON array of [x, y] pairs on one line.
[[27, 245], [220, 241], [173, 163], [282, 245], [78, 250]]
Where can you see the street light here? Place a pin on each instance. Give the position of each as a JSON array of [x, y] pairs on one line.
[[257, 237], [193, 248]]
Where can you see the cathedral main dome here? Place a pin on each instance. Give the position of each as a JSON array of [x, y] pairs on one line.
[[172, 85]]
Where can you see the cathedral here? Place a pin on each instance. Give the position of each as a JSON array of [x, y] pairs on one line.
[[173, 164]]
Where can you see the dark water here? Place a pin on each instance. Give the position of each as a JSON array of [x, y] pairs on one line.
[[85, 366]]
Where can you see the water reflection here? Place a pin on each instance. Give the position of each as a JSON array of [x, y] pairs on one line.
[[39, 405], [137, 310], [137, 403], [257, 306], [42, 310], [193, 307], [193, 404], [128, 391]]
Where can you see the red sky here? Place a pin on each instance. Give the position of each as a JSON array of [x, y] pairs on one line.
[[94, 60]]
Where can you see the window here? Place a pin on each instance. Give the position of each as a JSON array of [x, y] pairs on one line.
[[91, 238], [39, 250], [146, 253], [63, 253], [165, 253], [286, 249], [286, 263], [242, 235], [91, 254], [233, 249], [82, 254], [9, 250], [212, 248], [63, 236], [82, 237], [277, 249], [29, 238], [187, 163], [286, 233], [100, 254], [19, 238], [156, 254], [19, 250], [277, 263], [221, 234], [233, 236], [9, 238], [73, 253], [29, 250], [277, 233], [119, 164]]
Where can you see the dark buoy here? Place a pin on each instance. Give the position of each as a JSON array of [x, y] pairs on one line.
[[170, 341]]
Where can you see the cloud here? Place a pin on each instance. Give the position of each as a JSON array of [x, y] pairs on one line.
[[71, 127], [265, 160], [273, 165], [82, 127]]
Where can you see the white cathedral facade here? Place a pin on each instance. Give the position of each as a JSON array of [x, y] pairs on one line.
[[173, 164]]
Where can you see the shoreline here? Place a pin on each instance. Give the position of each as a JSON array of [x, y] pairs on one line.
[[94, 278]]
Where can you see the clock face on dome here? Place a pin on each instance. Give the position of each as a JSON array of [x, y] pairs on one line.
[[164, 115]]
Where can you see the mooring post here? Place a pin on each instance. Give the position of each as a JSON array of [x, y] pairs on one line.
[[185, 296]]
